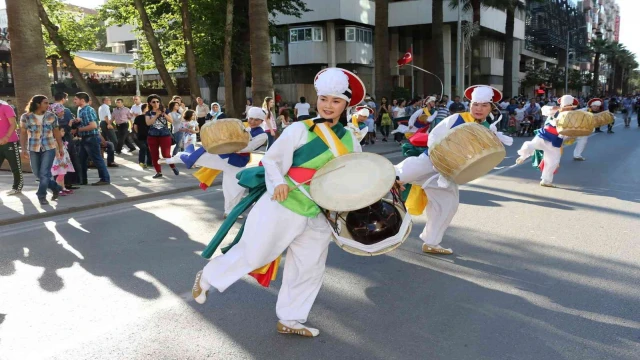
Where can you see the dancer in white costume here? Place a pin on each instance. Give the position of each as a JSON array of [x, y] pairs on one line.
[[228, 164], [285, 218], [593, 106], [549, 141], [443, 198]]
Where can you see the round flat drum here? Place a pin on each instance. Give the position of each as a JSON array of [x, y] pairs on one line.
[[352, 181]]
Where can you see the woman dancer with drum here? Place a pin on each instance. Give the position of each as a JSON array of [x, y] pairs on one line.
[[284, 216], [229, 164], [594, 106], [422, 117], [549, 141], [443, 197]]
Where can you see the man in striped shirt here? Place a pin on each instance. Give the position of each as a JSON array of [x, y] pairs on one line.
[[87, 123]]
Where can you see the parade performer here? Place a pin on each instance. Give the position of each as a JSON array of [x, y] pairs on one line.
[[284, 217], [357, 123], [549, 142], [593, 106], [422, 117], [229, 164], [439, 196]]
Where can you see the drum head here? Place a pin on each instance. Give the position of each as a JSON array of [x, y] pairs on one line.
[[352, 181], [482, 166], [226, 148]]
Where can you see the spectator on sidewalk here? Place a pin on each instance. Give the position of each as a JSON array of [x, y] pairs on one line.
[[87, 123], [140, 130], [9, 146], [456, 106], [106, 121], [122, 116], [39, 134], [62, 164], [66, 121], [301, 110], [109, 148], [136, 108], [176, 125], [159, 135], [202, 110]]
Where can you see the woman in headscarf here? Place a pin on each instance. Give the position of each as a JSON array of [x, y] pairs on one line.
[[215, 113]]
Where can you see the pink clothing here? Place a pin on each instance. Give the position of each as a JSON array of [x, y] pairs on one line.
[[6, 112], [120, 115]]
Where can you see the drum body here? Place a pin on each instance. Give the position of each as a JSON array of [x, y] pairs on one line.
[[602, 118], [352, 181], [373, 230], [466, 153], [224, 136], [575, 123]]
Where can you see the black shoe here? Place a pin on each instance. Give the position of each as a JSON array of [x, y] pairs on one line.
[[72, 187], [113, 165], [43, 201], [118, 152], [175, 171], [56, 194], [84, 183], [384, 140], [157, 176], [610, 132], [100, 183]]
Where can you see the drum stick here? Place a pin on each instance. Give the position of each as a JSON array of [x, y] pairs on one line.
[[308, 181]]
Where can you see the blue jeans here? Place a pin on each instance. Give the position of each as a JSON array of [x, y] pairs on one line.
[[41, 163], [178, 138], [270, 139], [144, 156], [90, 147]]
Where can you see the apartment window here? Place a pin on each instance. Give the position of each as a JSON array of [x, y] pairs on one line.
[[354, 34], [305, 34]]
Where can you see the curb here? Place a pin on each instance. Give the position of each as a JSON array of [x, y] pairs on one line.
[[95, 206]]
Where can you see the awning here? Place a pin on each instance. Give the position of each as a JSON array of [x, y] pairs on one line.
[[101, 62]]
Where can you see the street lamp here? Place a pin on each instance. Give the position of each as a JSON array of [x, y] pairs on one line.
[[566, 66], [135, 52]]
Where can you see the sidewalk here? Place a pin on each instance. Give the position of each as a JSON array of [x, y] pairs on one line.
[[128, 183]]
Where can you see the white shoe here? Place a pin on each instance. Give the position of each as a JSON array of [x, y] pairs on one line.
[[519, 160], [199, 292], [542, 183], [14, 192], [436, 249], [579, 158], [294, 327]]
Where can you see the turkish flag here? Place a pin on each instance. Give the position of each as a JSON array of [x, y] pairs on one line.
[[407, 58]]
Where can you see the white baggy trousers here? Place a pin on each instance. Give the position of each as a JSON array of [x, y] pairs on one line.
[[581, 143], [233, 193], [551, 156], [269, 230], [443, 202]]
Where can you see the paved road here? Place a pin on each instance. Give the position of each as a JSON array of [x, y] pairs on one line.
[[538, 273]]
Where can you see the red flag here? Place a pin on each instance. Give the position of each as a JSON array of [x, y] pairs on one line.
[[407, 58]]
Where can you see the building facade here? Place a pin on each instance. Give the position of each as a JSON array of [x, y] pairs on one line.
[[341, 32]]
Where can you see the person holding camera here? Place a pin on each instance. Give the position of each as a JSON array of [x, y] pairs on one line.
[[159, 136]]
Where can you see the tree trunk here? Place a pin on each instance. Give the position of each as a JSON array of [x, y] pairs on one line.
[[507, 76], [213, 82], [474, 64], [54, 68], [229, 105], [239, 79], [381, 49], [437, 41], [596, 75], [28, 59], [155, 48], [261, 77], [65, 54], [190, 56]]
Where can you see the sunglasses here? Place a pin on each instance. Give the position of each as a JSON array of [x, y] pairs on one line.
[[155, 102]]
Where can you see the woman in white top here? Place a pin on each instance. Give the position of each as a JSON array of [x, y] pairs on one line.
[[248, 106], [397, 112], [176, 116], [269, 125]]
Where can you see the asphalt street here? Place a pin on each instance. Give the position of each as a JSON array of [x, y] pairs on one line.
[[537, 273]]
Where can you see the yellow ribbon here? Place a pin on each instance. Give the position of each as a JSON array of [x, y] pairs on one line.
[[206, 175], [416, 200], [324, 132]]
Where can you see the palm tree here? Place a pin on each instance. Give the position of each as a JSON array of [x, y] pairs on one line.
[[28, 59], [597, 47], [614, 51], [437, 9], [190, 57], [261, 77], [229, 104], [155, 48], [475, 6], [381, 44], [627, 63]]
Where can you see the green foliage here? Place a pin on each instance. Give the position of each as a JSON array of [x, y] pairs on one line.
[[207, 21], [77, 30], [401, 93]]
